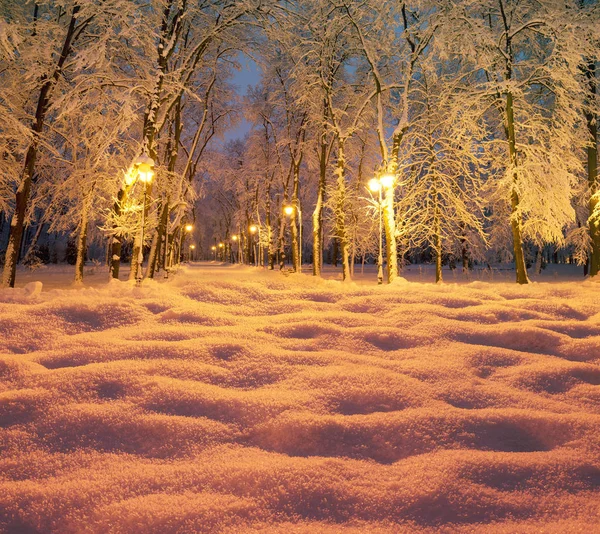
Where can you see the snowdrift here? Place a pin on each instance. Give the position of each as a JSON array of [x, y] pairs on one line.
[[235, 400]]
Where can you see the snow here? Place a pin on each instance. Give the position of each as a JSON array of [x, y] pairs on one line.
[[232, 399]]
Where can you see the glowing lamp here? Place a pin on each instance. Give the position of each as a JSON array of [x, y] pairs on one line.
[[221, 245], [234, 237], [288, 210], [213, 248], [374, 184], [387, 180], [145, 172], [189, 227], [253, 229], [129, 177]]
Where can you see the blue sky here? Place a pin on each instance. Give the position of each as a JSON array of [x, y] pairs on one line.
[[248, 75]]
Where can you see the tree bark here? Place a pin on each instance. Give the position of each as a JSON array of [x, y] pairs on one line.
[[116, 242], [515, 219], [340, 211], [82, 240], [317, 217], [592, 169]]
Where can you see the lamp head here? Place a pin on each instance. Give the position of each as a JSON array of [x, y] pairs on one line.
[[234, 237], [213, 248], [374, 185], [144, 165], [192, 247], [189, 227], [221, 245], [253, 229], [288, 210], [387, 180]]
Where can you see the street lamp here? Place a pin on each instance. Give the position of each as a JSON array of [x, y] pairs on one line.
[[143, 170], [192, 248], [214, 249], [189, 227], [221, 245]]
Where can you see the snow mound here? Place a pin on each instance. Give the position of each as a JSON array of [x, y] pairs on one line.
[[230, 400]]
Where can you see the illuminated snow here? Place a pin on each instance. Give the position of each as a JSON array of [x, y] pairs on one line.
[[233, 400]]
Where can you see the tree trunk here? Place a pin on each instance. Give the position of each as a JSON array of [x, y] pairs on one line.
[[116, 242], [515, 219], [538, 261], [340, 211], [36, 237], [157, 240], [389, 222], [138, 244], [592, 169], [271, 252], [437, 243], [317, 217], [82, 240]]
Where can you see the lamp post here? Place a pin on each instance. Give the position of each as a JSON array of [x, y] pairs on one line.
[[253, 229], [144, 172], [214, 250], [192, 248], [221, 246]]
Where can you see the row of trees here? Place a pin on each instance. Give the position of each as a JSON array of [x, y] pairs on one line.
[[483, 112]]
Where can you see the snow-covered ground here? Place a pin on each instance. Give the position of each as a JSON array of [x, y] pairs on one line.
[[230, 399]]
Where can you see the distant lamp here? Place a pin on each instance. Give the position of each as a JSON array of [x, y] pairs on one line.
[[234, 237], [193, 247], [253, 229], [221, 245], [189, 227], [288, 210], [213, 248]]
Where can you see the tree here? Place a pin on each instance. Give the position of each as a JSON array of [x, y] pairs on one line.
[[524, 81]]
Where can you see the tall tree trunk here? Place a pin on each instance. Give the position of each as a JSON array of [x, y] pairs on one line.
[[24, 189], [293, 219], [464, 251], [82, 239], [117, 240], [438, 252], [389, 223], [538, 261], [515, 219], [138, 243], [157, 239], [340, 211], [437, 240], [281, 239], [317, 217], [592, 169], [34, 240], [271, 252]]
